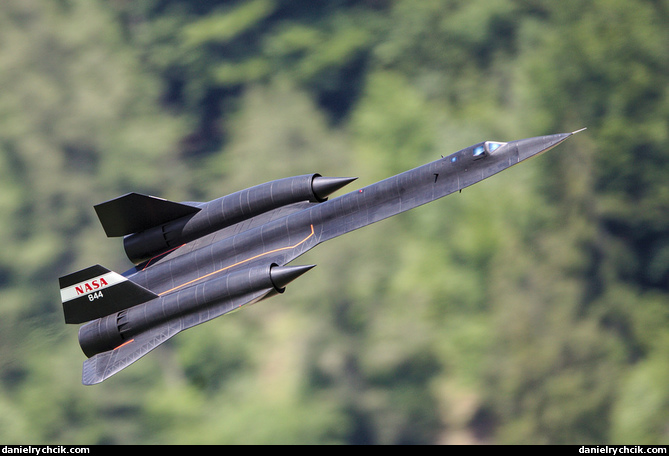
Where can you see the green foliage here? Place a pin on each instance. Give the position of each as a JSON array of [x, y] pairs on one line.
[[226, 26], [392, 125], [532, 308]]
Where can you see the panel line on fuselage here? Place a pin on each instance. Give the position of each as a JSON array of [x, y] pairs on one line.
[[239, 263]]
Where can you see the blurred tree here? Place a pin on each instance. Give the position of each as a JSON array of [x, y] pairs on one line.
[[206, 52], [600, 64], [530, 309], [605, 65], [78, 123]]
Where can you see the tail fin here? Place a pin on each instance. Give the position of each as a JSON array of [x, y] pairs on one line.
[[135, 212], [96, 291]]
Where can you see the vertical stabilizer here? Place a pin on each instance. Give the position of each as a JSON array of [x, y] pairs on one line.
[[96, 292]]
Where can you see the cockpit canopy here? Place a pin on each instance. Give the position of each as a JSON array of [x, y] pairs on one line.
[[486, 148]]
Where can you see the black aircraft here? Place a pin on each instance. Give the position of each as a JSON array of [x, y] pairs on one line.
[[198, 261]]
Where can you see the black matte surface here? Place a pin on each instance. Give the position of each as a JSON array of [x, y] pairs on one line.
[[235, 251]]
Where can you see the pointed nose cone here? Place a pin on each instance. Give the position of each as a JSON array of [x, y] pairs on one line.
[[533, 146], [283, 275], [325, 186]]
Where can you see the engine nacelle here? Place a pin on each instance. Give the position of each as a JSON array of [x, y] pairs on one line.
[[194, 304], [227, 211]]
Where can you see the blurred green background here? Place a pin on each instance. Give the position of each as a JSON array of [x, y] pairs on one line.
[[531, 308]]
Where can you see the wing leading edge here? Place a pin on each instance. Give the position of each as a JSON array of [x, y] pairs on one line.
[[103, 365]]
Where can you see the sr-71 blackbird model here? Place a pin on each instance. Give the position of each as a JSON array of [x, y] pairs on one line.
[[198, 261]]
